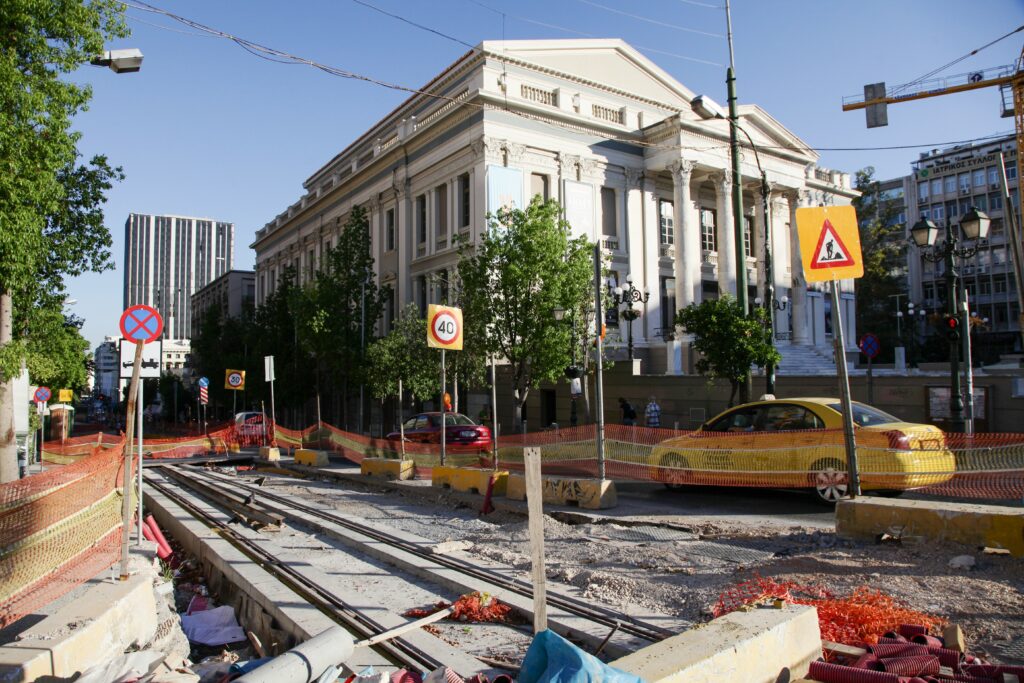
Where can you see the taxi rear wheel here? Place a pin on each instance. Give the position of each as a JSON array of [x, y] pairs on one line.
[[677, 471], [829, 481]]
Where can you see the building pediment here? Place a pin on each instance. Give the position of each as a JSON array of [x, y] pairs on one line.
[[611, 63]]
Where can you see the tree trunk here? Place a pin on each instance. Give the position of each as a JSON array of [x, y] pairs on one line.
[[8, 446]]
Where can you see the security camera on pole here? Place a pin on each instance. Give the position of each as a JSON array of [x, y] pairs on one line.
[[444, 331]]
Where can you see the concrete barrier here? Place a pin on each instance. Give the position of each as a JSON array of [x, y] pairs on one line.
[[992, 526], [593, 494], [270, 453], [468, 479], [388, 468], [307, 456], [94, 628], [758, 646]]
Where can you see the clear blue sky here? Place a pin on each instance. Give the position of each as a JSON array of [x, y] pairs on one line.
[[207, 129]]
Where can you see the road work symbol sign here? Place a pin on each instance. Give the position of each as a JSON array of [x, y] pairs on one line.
[[444, 327], [829, 243]]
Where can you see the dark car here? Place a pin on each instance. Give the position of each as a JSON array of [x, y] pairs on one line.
[[460, 431]]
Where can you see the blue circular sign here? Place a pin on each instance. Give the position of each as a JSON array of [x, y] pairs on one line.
[[43, 394], [870, 345], [141, 324], [204, 382]]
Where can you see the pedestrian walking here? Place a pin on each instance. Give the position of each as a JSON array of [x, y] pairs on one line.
[[652, 414], [628, 412]]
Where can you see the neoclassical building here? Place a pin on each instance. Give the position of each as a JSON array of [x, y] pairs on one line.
[[618, 142]]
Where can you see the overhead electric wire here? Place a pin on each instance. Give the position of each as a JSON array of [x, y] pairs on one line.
[[279, 56], [901, 88], [649, 20], [701, 4], [413, 23], [577, 32]]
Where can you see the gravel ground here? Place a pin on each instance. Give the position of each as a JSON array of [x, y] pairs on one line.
[[681, 573]]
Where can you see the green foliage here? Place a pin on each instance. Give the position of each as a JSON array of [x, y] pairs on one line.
[[884, 251], [57, 352], [524, 268], [728, 342], [403, 355], [50, 220]]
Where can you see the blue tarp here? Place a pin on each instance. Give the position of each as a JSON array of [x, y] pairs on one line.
[[553, 659]]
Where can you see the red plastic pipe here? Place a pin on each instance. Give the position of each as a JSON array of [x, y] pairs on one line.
[[151, 523], [161, 551], [921, 665], [834, 673]]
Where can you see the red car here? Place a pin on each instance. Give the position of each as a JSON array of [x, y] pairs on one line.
[[460, 431]]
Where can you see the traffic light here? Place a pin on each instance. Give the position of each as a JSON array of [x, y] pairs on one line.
[[952, 326]]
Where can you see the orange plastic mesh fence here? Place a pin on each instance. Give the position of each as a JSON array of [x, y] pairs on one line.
[[58, 529]]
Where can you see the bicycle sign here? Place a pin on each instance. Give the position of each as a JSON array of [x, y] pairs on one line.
[[445, 327]]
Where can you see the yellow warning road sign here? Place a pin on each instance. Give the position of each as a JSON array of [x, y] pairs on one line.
[[829, 243], [65, 396], [444, 327]]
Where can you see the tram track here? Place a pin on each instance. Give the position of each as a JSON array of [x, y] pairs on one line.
[[606, 617], [398, 650]]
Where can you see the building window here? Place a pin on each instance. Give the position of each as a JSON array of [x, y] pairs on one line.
[[748, 231], [708, 234], [938, 212], [965, 183], [1011, 171], [421, 219], [950, 182], [709, 289], [441, 210], [922, 191], [668, 304], [312, 263], [666, 220], [951, 210], [995, 201], [464, 200], [389, 230], [609, 224], [981, 202], [979, 177], [421, 294], [999, 284], [993, 176], [937, 186], [539, 185]]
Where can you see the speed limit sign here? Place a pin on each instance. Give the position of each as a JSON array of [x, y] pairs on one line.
[[444, 327], [234, 379]]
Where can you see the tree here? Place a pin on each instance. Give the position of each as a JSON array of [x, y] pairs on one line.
[[48, 203], [403, 355], [729, 343], [524, 268], [884, 252]]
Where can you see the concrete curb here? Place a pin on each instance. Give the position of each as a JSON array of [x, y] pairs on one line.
[[992, 526], [469, 479], [307, 456], [757, 646], [385, 468], [592, 494]]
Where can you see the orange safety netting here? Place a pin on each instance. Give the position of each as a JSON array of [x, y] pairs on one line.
[[476, 608], [58, 529], [855, 619]]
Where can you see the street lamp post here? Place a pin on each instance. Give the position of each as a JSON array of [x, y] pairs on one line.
[[975, 226], [775, 305], [629, 296], [573, 372]]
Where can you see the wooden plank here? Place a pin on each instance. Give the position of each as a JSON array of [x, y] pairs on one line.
[[535, 509], [953, 636], [840, 649]]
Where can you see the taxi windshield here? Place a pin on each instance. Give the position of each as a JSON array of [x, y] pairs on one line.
[[866, 416]]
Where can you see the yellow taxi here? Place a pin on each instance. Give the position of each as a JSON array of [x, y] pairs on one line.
[[798, 443]]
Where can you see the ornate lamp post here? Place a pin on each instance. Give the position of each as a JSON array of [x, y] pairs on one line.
[[573, 372], [629, 295], [776, 305], [975, 226]]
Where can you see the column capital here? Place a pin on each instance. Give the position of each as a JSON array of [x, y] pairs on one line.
[[634, 177], [682, 169], [723, 179]]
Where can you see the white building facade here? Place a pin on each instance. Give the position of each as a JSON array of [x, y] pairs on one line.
[[107, 371], [169, 258], [617, 141]]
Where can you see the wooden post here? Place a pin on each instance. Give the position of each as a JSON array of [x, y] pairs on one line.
[[535, 507], [126, 502]]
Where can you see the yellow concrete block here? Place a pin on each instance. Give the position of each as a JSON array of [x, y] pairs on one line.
[[591, 494], [109, 617], [994, 526], [468, 479], [307, 456], [270, 453], [759, 646], [388, 468]]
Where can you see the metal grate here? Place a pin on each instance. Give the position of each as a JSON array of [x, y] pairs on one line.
[[642, 534], [1014, 649], [729, 552]]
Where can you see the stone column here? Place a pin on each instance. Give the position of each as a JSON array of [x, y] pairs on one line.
[[726, 236], [403, 241], [757, 241], [642, 247], [686, 264], [801, 335]]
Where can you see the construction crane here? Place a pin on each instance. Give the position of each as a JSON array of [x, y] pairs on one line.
[[1009, 79]]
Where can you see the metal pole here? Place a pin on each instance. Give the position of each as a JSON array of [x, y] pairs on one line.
[[494, 411], [273, 415], [968, 366], [1014, 234], [126, 486], [956, 400], [844, 390], [599, 376], [769, 281], [362, 345], [142, 386], [444, 422], [401, 419]]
